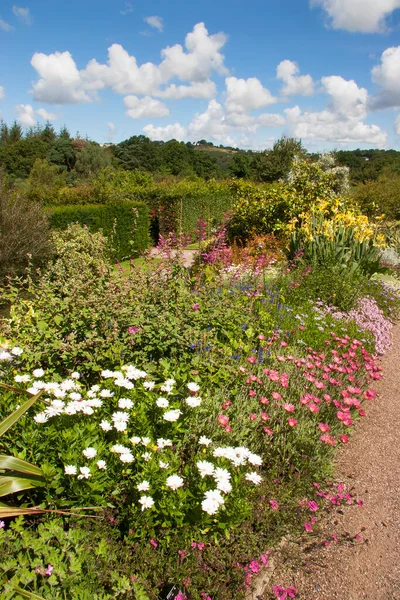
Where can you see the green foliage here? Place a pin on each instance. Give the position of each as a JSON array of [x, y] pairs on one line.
[[90, 159], [116, 185], [273, 165], [44, 182], [126, 224], [18, 158], [380, 196], [55, 561], [16, 474]]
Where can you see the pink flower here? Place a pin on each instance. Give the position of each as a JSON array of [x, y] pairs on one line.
[[264, 416], [153, 543], [49, 570], [313, 506], [292, 422], [254, 566], [252, 393], [228, 428], [264, 559], [264, 400], [268, 431], [274, 505], [196, 306], [253, 417], [324, 427], [344, 439], [223, 420], [276, 396], [252, 360], [261, 337], [289, 407], [308, 527]]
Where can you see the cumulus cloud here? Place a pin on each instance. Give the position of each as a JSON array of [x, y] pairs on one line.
[[23, 14], [26, 115], [295, 84], [199, 89], [243, 95], [4, 26], [347, 99], [60, 81], [328, 126], [387, 75], [138, 108], [2, 92], [217, 124], [46, 115], [155, 22], [368, 16], [341, 121], [173, 131]]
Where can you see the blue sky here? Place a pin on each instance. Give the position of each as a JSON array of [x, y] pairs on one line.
[[234, 72]]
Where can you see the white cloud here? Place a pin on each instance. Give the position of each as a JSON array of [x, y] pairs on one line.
[[295, 85], [127, 10], [24, 14], [198, 89], [328, 126], [138, 108], [60, 81], [199, 61], [26, 115], [2, 92], [155, 22], [397, 125], [368, 16], [387, 75], [173, 131], [45, 115], [244, 95], [223, 127], [341, 121], [4, 26], [347, 99]]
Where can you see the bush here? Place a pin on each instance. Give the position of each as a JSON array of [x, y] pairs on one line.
[[24, 234], [125, 224]]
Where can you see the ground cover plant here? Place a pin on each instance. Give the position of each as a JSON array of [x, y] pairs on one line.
[[193, 414]]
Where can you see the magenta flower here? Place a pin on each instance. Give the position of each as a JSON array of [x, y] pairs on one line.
[[274, 505], [196, 306], [49, 570]]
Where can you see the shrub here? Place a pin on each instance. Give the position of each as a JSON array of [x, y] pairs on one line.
[[125, 224], [24, 234]]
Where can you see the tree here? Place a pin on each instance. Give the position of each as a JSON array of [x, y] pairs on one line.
[[17, 158], [15, 133], [90, 159], [63, 154], [4, 133], [44, 181], [275, 164], [240, 166]]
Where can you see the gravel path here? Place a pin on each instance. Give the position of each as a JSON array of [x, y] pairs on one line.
[[370, 464]]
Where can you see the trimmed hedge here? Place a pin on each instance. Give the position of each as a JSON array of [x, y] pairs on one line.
[[126, 224]]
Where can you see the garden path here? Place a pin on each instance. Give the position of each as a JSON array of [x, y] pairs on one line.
[[370, 464]]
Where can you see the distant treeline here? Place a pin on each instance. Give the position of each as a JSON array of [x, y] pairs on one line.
[[79, 158]]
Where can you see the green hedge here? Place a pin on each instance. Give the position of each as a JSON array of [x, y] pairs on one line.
[[126, 224]]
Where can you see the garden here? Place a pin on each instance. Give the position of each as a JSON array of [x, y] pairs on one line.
[[164, 428]]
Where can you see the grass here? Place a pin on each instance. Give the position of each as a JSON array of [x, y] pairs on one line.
[[141, 263]]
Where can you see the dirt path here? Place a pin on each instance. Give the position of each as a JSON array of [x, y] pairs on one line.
[[369, 568]]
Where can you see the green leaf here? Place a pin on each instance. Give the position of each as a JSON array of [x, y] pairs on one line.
[[11, 485], [17, 414], [16, 464], [25, 593]]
